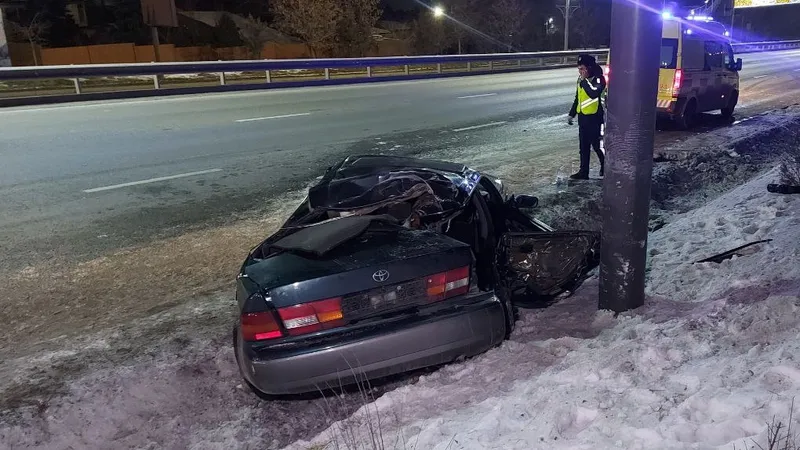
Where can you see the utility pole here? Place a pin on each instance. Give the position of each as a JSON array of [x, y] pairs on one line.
[[635, 43], [567, 10], [156, 44]]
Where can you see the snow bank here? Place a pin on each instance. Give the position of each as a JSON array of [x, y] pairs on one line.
[[706, 363]]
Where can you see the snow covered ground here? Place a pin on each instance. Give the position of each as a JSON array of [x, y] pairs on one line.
[[707, 363], [153, 370]]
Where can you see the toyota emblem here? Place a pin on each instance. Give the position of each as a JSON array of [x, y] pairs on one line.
[[381, 276]]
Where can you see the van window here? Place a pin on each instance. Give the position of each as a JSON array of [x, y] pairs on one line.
[[693, 54], [715, 55], [729, 60], [669, 53]]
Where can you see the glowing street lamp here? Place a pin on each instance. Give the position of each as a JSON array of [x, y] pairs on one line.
[[438, 11]]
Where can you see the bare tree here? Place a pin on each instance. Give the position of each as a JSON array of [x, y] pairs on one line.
[[34, 33], [314, 21], [590, 26], [463, 15], [254, 33], [354, 29], [430, 36], [504, 20]]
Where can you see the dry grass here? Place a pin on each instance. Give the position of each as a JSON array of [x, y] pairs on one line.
[[367, 429], [780, 435], [51, 301]]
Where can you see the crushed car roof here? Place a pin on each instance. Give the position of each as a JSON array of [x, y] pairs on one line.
[[362, 184]]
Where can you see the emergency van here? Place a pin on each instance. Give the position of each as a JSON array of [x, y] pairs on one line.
[[698, 72]]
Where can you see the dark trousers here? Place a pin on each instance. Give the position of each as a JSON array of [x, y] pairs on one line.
[[589, 136]]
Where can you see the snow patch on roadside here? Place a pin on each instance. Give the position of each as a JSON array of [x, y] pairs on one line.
[[705, 364], [175, 379], [166, 381]]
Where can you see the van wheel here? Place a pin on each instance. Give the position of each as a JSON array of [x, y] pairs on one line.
[[688, 117], [727, 112]]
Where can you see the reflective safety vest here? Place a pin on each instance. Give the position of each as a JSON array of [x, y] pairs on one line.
[[587, 105]]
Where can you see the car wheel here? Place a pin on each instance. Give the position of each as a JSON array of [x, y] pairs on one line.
[[252, 388], [727, 112], [687, 118], [511, 311]]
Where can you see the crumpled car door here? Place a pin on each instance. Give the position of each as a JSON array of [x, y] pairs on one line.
[[535, 268]]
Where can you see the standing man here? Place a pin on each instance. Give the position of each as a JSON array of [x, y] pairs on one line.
[[589, 109]]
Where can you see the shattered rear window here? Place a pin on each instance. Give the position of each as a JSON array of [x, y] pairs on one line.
[[365, 193]]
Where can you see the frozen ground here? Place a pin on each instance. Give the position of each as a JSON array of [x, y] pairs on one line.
[[132, 361], [706, 363]]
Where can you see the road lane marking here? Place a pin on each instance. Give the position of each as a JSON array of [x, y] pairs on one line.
[[151, 180], [760, 76], [479, 126], [478, 95], [254, 119]]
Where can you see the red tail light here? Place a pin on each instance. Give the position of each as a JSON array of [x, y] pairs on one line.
[[311, 317], [676, 82], [448, 284], [607, 72], [260, 326]]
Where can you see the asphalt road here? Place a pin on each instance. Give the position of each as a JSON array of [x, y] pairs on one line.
[[80, 179]]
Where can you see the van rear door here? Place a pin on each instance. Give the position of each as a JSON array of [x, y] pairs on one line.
[[666, 74]]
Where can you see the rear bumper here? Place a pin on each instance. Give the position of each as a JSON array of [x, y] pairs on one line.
[[670, 109], [469, 331], [666, 107]]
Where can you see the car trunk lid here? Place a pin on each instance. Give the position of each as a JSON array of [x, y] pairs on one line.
[[377, 272]]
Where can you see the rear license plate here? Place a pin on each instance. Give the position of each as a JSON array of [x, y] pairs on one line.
[[383, 299]]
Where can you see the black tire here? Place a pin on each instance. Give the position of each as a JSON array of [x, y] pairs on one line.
[[688, 116], [509, 309], [727, 112], [512, 314], [783, 189]]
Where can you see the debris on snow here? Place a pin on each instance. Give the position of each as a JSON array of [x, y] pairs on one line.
[[740, 251]]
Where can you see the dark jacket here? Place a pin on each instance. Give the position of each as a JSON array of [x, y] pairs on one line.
[[594, 87]]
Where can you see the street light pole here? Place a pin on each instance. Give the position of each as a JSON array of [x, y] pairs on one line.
[[635, 42], [566, 10], [566, 26]]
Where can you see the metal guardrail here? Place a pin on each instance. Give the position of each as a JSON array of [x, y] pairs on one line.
[[105, 70], [92, 82], [107, 81], [769, 46]]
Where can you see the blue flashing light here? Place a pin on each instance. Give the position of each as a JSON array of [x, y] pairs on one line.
[[666, 15]]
